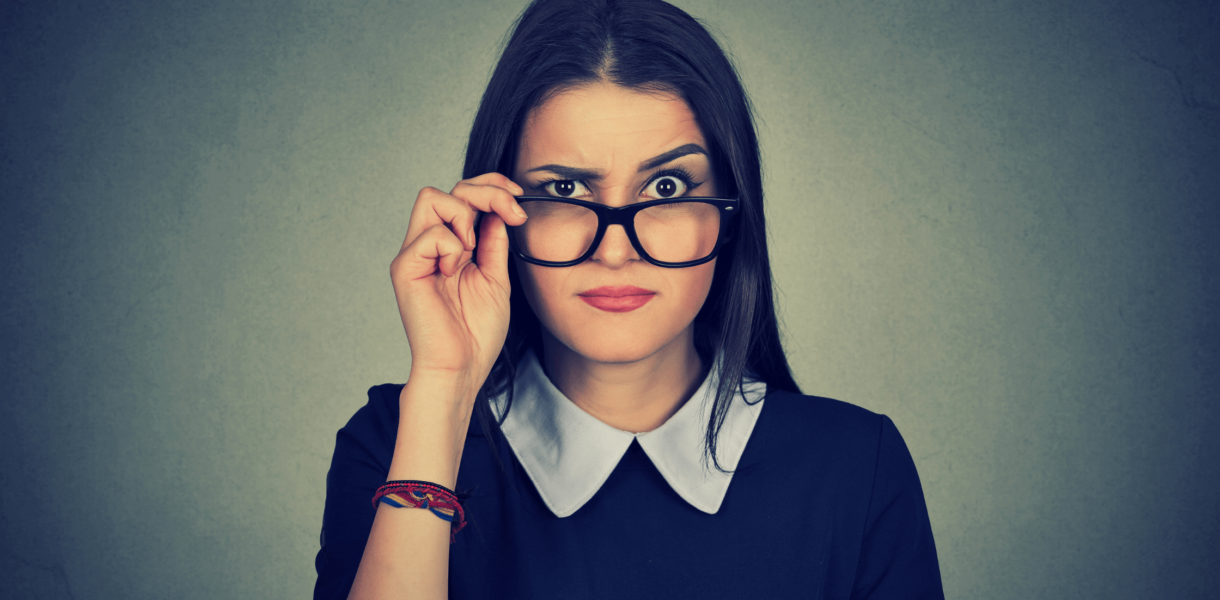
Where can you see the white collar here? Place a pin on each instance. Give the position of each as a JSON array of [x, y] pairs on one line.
[[569, 453]]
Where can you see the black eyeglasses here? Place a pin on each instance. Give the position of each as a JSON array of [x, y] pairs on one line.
[[673, 232]]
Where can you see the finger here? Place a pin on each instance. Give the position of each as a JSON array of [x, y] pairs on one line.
[[491, 198], [436, 249], [433, 207], [497, 179], [493, 250]]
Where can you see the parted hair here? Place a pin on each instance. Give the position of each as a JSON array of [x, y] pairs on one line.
[[645, 45]]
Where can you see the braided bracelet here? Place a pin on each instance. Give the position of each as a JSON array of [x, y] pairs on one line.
[[442, 501]]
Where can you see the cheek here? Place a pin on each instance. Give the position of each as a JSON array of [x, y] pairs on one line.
[[694, 284], [541, 289]]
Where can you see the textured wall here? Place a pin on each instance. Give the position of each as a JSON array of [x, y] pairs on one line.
[[993, 221]]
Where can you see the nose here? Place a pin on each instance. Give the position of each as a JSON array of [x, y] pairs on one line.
[[615, 249]]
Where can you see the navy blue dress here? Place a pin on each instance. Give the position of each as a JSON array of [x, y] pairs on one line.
[[825, 503]]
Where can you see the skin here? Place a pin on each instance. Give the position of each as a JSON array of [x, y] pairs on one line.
[[631, 370]]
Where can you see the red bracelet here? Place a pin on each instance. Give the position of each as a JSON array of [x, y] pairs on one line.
[[442, 501]]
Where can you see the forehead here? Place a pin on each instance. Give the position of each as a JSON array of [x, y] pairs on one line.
[[601, 124]]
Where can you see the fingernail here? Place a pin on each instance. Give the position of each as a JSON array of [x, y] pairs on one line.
[[520, 190], [518, 211]]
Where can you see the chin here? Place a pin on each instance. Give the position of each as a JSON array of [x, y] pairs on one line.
[[605, 355], [616, 344]]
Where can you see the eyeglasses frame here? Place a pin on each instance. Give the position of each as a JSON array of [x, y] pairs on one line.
[[625, 217]]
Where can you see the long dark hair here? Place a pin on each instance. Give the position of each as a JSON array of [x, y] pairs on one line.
[[653, 46]]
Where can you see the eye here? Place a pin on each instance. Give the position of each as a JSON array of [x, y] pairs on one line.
[[668, 186], [565, 188]]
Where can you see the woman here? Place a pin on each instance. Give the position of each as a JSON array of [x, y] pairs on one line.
[[598, 370]]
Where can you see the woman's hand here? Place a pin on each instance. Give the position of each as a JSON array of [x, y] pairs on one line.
[[456, 311]]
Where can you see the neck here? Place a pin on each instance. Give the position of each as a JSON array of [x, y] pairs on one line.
[[635, 396]]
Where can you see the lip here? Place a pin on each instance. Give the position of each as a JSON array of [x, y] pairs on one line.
[[617, 298]]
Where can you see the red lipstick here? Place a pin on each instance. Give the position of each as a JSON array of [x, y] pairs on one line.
[[617, 299]]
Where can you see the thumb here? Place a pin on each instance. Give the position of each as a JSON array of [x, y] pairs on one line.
[[492, 252]]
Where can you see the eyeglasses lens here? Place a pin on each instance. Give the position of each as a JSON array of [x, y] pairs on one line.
[[678, 232]]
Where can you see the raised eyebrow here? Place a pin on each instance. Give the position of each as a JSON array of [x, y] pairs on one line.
[[570, 173], [674, 154]]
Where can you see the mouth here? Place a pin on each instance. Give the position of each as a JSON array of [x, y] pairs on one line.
[[617, 299]]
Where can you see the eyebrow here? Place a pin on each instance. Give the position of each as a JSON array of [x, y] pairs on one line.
[[573, 173], [672, 155]]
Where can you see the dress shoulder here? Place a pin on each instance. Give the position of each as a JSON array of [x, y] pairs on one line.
[[827, 430], [812, 410], [862, 456]]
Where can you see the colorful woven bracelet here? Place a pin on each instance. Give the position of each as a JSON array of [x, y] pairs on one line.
[[442, 501]]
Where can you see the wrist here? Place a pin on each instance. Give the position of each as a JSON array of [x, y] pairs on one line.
[[434, 414], [456, 387]]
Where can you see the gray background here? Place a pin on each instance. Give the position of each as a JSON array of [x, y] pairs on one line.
[[992, 221]]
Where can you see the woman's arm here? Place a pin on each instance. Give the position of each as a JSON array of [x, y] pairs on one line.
[[407, 553], [898, 557], [455, 313]]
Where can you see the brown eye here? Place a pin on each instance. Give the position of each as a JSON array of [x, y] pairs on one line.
[[565, 188], [665, 187]]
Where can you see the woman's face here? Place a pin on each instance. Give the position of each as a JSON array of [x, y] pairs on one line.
[[602, 143]]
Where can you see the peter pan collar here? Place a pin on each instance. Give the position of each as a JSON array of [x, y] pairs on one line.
[[569, 453]]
